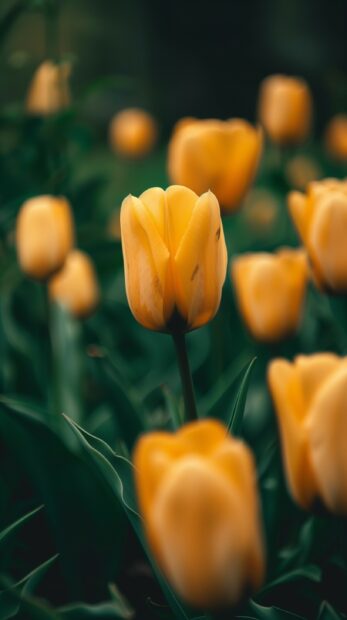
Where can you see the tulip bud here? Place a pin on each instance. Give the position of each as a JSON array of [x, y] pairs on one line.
[[336, 137], [261, 212], [216, 155], [320, 217], [133, 132], [310, 398], [75, 286], [302, 170], [174, 257], [49, 90], [285, 109], [270, 291], [44, 235], [198, 498]]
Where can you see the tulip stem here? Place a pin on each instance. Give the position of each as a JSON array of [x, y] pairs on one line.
[[186, 376]]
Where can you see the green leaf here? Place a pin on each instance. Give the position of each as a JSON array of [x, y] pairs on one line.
[[236, 416], [269, 613], [118, 476], [101, 611], [327, 612], [176, 418], [310, 572], [17, 524]]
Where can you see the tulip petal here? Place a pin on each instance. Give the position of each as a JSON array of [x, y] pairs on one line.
[[314, 370], [200, 263], [146, 260], [327, 240], [327, 429], [286, 390]]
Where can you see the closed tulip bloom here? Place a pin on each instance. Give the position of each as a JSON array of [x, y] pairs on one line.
[[285, 109], [336, 137], [44, 235], [222, 156], [133, 132], [320, 217], [198, 498], [310, 398], [174, 257], [49, 90], [270, 291], [76, 286]]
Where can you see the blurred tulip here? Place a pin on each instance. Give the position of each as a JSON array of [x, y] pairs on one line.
[[260, 211], [310, 398], [49, 90], [270, 291], [320, 217], [174, 257], [44, 235], [76, 286], [285, 109], [133, 132], [197, 494], [336, 137], [216, 155], [302, 170]]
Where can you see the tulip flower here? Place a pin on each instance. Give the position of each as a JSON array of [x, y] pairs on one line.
[[44, 235], [76, 286], [310, 398], [133, 132], [174, 257], [270, 291], [302, 170], [336, 137], [216, 155], [285, 109], [49, 90], [320, 217], [198, 498]]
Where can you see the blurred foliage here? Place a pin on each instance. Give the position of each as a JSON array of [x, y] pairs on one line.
[[71, 541]]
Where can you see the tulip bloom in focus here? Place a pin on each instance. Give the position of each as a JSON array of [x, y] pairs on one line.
[[216, 155], [44, 235], [49, 90], [133, 132], [174, 257], [285, 109], [270, 291], [336, 137], [310, 398], [75, 286], [197, 494], [320, 217]]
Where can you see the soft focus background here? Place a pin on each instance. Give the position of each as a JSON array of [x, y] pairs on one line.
[[107, 373]]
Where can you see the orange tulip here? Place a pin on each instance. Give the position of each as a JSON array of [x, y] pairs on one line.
[[270, 291], [336, 137], [197, 494], [285, 109], [302, 170], [174, 257], [133, 132], [49, 90], [320, 217], [216, 155], [75, 286], [44, 235], [310, 398]]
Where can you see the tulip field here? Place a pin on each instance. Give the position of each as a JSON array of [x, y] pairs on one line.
[[173, 347]]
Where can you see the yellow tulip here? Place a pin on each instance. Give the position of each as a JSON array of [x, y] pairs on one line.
[[285, 109], [221, 156], [302, 170], [336, 137], [49, 90], [260, 212], [44, 235], [197, 494], [174, 257], [270, 291], [320, 217], [76, 286], [310, 398], [133, 132]]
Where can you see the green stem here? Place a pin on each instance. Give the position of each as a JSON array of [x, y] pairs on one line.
[[186, 376]]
